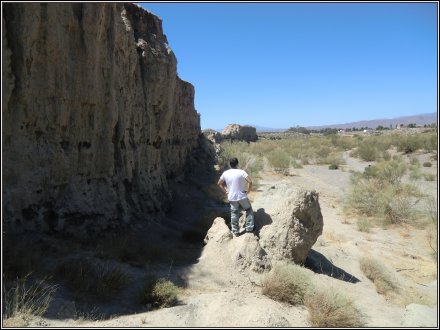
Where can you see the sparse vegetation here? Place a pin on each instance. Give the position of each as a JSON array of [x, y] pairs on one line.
[[283, 154], [332, 309], [375, 271], [364, 225], [379, 192], [287, 283], [25, 299], [279, 160], [427, 164], [366, 151], [102, 281], [159, 293]]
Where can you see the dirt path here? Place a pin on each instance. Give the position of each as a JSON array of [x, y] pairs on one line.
[[403, 249]]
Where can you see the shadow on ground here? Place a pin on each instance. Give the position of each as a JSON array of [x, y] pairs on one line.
[[106, 275], [318, 263]]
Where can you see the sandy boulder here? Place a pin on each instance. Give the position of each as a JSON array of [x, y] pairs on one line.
[[241, 133], [246, 252], [296, 223]]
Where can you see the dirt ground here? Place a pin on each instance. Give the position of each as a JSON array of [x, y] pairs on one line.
[[215, 294]]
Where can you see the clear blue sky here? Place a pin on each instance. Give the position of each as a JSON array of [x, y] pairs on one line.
[[287, 64]]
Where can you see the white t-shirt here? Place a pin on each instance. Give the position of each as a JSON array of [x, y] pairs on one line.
[[235, 180]]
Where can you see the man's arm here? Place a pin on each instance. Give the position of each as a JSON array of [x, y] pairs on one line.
[[249, 180], [222, 185]]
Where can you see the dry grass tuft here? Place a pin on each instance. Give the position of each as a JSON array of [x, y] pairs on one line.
[[364, 225], [332, 309], [24, 300], [378, 274], [287, 283], [102, 281]]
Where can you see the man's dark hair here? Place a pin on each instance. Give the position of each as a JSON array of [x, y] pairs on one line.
[[233, 162]]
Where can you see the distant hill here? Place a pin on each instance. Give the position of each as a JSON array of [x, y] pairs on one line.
[[259, 129], [420, 119]]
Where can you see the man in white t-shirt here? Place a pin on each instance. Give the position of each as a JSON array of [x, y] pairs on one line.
[[233, 182]]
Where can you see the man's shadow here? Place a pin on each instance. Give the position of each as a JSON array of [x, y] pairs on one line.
[[315, 261], [261, 219], [318, 263]]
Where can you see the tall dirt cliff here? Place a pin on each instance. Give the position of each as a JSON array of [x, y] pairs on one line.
[[95, 119]]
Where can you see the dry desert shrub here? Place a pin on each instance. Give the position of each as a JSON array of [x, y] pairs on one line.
[[332, 309], [159, 293], [366, 151], [378, 192], [97, 280], [429, 177], [279, 160], [287, 283], [364, 225], [375, 271], [410, 143], [25, 299]]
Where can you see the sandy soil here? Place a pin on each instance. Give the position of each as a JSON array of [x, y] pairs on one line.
[[217, 295]]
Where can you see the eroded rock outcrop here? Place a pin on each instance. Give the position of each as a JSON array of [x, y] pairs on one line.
[[95, 118], [241, 133], [243, 252], [295, 222], [288, 221]]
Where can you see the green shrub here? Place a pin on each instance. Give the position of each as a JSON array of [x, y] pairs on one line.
[[386, 155], [367, 151], [429, 177], [364, 225], [415, 173], [286, 283], [376, 272], [159, 292], [414, 161], [278, 159], [372, 194], [427, 164], [296, 164], [410, 143], [333, 167], [390, 171], [332, 309]]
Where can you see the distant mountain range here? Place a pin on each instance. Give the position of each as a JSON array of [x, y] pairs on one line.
[[420, 120]]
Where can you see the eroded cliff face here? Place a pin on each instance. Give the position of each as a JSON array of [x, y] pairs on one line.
[[95, 118]]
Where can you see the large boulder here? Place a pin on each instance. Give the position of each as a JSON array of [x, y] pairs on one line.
[[246, 253], [242, 253], [295, 222], [241, 133]]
